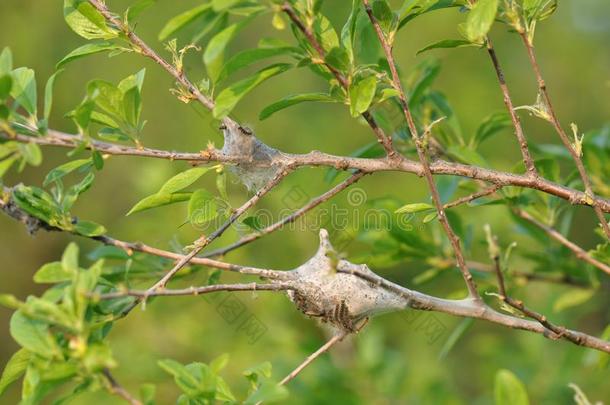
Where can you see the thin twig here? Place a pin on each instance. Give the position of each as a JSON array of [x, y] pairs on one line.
[[576, 157], [290, 218], [556, 332], [195, 290], [203, 241], [382, 138], [325, 347], [579, 252], [422, 155], [142, 48], [527, 158], [117, 389], [471, 197]]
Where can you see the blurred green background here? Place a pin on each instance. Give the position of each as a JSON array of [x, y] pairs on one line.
[[393, 360]]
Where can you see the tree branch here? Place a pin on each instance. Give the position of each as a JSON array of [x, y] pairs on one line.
[[556, 332], [382, 138], [464, 308], [194, 290], [527, 158], [290, 218], [422, 155], [579, 252], [323, 349], [552, 118], [320, 159], [117, 389]]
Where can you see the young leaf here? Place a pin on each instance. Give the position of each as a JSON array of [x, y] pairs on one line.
[[213, 55], [491, 125], [14, 368], [572, 298], [292, 100], [69, 259], [52, 273], [6, 61], [24, 89], [48, 95], [66, 168], [86, 21], [251, 56], [32, 335], [6, 84], [509, 390], [86, 50], [267, 392], [36, 202], [137, 8], [202, 207], [31, 153], [479, 20], [229, 97], [446, 43], [89, 228], [415, 207], [361, 95], [182, 20], [158, 200], [183, 180]]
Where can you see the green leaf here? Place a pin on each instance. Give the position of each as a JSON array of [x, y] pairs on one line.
[[10, 301], [132, 106], [491, 125], [62, 170], [415, 207], [32, 335], [14, 368], [108, 97], [572, 298], [466, 154], [229, 97], [509, 390], [383, 13], [137, 8], [251, 56], [202, 207], [446, 43], [479, 20], [51, 273], [36, 202], [325, 33], [6, 84], [69, 259], [213, 56], [292, 100], [86, 21], [158, 200], [89, 228], [185, 380], [182, 20], [183, 180], [6, 61], [339, 59], [24, 89], [48, 95], [361, 95], [267, 392], [31, 153], [253, 223], [86, 50], [348, 32]]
